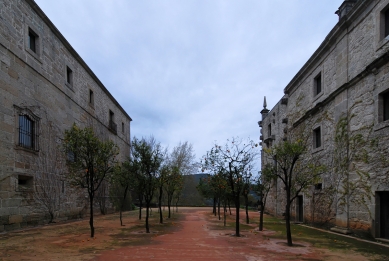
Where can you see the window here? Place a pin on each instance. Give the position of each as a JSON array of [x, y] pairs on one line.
[[25, 182], [112, 125], [383, 106], [386, 23], [385, 101], [317, 138], [123, 127], [91, 98], [317, 84], [269, 130], [28, 137], [318, 186], [32, 40], [69, 76]]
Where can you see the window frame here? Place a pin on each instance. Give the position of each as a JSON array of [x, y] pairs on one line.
[[31, 30], [317, 130], [112, 126], [69, 76], [382, 30], [317, 83], [27, 139], [385, 106], [24, 183], [91, 98]]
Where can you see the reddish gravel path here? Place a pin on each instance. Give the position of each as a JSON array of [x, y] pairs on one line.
[[192, 242]]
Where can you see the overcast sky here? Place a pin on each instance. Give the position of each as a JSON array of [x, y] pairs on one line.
[[194, 70]]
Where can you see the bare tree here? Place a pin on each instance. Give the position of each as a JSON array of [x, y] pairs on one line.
[[48, 178]]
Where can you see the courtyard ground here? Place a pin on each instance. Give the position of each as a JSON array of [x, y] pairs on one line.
[[192, 234]]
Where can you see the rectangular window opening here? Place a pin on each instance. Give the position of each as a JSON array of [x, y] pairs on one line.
[[32, 40], [25, 182], [269, 130], [318, 84], [386, 23], [123, 127], [112, 125], [91, 98], [318, 186], [385, 100], [69, 76], [317, 138], [27, 133]]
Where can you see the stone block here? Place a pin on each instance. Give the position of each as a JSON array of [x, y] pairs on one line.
[[14, 74], [11, 203], [15, 219], [13, 211], [4, 219], [11, 226]]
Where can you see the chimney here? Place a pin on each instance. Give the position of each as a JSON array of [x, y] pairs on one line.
[[345, 8]]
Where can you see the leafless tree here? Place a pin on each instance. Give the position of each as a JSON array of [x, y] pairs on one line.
[[50, 168]]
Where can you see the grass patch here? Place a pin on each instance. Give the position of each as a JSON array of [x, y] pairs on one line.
[[324, 240]]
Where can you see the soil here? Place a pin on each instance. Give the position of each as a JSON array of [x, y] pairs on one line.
[[193, 234]]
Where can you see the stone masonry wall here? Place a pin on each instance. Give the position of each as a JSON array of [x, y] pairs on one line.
[[354, 73], [36, 83]]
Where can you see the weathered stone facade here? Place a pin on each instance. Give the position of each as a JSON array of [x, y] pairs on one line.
[[45, 87], [343, 86]]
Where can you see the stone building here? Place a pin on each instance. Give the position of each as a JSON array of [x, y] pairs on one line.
[[45, 87], [339, 102]]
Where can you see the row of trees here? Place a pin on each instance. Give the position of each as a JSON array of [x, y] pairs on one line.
[[231, 169], [152, 173], [91, 164]]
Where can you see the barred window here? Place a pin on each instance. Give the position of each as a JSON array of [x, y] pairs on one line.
[[28, 134]]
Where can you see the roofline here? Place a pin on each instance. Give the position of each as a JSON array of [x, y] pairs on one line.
[[73, 52], [342, 25]]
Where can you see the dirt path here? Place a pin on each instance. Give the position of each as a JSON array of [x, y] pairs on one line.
[[195, 234], [192, 242]]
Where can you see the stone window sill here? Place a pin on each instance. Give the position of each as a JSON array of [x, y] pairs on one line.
[[381, 125]]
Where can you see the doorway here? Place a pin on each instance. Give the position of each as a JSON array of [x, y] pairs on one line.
[[384, 214], [300, 209]]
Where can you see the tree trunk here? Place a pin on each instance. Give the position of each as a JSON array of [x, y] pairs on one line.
[[246, 199], [122, 205], [92, 229], [51, 216], [169, 202], [229, 207], [287, 219], [218, 208], [237, 207], [160, 205], [147, 217], [140, 209], [224, 215], [214, 206], [262, 209]]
